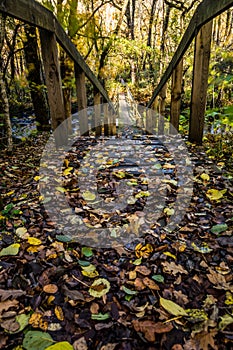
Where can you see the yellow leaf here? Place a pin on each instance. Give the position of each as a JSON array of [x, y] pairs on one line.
[[61, 189], [34, 241], [172, 307], [215, 195], [99, 287], [170, 254], [143, 251], [37, 178], [205, 177], [67, 171], [169, 211], [90, 271], [59, 313], [32, 249], [88, 196], [36, 321]]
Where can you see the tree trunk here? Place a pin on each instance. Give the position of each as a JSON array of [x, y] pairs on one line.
[[200, 83], [3, 95], [176, 95], [34, 68]]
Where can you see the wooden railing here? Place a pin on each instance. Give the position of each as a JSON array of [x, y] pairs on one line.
[[204, 13], [51, 33]]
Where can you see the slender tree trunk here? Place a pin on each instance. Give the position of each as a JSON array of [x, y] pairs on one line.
[[3, 95], [34, 68], [200, 83]]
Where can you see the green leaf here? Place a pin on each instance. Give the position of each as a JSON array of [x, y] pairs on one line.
[[63, 345], [158, 278], [219, 228], [36, 340], [86, 251], [63, 238], [137, 261], [172, 307], [129, 291], [13, 249], [100, 316], [84, 263]]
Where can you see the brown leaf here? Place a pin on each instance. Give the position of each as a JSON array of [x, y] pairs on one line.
[[94, 308], [10, 325], [173, 268], [72, 294], [143, 270], [150, 283], [80, 344], [139, 285], [8, 294], [207, 338], [6, 305], [50, 288], [150, 328], [3, 341]]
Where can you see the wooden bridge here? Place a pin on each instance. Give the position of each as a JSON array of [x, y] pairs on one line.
[[51, 33]]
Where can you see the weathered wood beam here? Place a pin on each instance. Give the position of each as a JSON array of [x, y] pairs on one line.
[[28, 11], [205, 12], [54, 86], [200, 83], [82, 100]]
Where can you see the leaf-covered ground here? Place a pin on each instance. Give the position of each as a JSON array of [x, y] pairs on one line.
[[160, 291]]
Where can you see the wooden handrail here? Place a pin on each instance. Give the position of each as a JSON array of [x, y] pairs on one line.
[[205, 12], [32, 12]]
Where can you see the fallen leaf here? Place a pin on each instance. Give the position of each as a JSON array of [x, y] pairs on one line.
[[150, 328], [99, 287], [36, 340], [143, 270], [59, 313], [6, 305], [12, 249], [80, 344], [215, 195], [173, 268], [172, 307], [50, 288], [34, 241], [8, 294], [150, 283], [64, 345]]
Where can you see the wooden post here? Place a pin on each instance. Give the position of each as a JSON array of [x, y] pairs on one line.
[[97, 113], [54, 85], [82, 100], [177, 76], [106, 119], [162, 105], [200, 83], [148, 121]]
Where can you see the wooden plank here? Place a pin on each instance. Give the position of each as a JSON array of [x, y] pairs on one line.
[[206, 11], [200, 83], [54, 85], [176, 91], [97, 113], [82, 100], [28, 11]]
